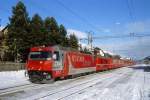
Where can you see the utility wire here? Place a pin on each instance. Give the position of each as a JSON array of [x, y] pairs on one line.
[[45, 8], [121, 36], [133, 9], [76, 14], [130, 9], [124, 36]]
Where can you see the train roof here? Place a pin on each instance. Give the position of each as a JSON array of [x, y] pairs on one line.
[[41, 48]]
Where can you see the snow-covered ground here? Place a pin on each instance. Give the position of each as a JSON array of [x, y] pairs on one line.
[[130, 83], [12, 78]]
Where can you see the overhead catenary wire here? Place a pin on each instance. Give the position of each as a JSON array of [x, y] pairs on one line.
[[123, 36], [129, 6], [69, 10], [77, 15], [42, 8], [118, 36]]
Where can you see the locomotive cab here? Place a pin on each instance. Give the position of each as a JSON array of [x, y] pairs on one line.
[[42, 61]]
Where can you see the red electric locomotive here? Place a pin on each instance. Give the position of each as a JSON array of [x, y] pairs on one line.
[[47, 63]]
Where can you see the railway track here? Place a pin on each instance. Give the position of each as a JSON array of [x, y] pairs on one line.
[[28, 85], [63, 93], [53, 92], [14, 89]]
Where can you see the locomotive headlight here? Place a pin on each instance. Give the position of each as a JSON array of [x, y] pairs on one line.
[[41, 62]]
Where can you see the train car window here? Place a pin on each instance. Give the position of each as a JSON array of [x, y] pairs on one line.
[[56, 56]]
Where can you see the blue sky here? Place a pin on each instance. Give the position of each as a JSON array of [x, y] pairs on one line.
[[102, 17]]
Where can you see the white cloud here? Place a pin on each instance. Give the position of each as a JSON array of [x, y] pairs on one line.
[[102, 29], [106, 30], [109, 52], [142, 26], [135, 48], [129, 47], [138, 27], [78, 33], [84, 45], [117, 23]]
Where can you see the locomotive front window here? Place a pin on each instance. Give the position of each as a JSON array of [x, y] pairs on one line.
[[40, 55]]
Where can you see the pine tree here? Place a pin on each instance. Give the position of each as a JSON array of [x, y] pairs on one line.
[[47, 26], [18, 30], [73, 41], [86, 50], [62, 31], [63, 37], [37, 31], [66, 42], [54, 30]]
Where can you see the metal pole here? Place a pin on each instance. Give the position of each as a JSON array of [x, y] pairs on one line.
[[90, 40]]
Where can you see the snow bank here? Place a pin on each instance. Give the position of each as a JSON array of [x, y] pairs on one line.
[[12, 78]]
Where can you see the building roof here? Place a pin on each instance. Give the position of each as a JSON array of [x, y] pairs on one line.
[[2, 32], [4, 28]]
